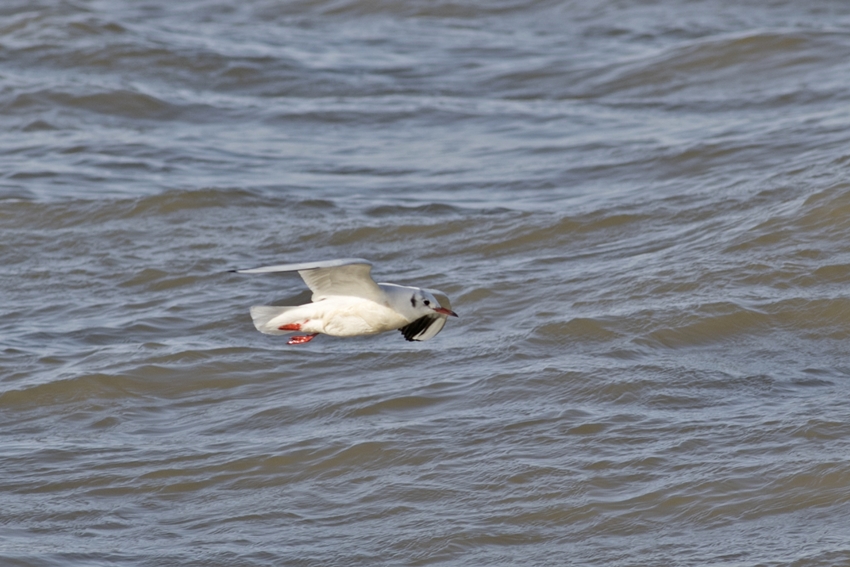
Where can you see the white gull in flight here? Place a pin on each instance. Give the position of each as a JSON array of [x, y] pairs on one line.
[[347, 302]]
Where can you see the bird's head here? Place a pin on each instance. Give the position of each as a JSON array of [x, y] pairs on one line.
[[424, 303]]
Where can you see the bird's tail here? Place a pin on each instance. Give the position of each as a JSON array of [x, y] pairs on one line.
[[263, 315]]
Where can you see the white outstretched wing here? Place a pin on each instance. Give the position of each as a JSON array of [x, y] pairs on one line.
[[347, 276]]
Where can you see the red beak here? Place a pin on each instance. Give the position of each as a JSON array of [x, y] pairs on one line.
[[445, 311]]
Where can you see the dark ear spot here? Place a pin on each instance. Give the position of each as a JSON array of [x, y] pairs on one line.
[[413, 300]]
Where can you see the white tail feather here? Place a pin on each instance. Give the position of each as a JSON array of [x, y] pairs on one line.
[[264, 314]]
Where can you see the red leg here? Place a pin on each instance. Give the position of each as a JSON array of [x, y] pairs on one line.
[[301, 339], [290, 327]]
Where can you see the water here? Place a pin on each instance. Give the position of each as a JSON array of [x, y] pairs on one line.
[[640, 211]]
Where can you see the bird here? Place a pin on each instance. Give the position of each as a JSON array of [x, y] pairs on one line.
[[347, 302]]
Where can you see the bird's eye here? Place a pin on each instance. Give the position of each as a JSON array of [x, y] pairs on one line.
[[427, 302]]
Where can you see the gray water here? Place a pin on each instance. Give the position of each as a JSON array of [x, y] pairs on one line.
[[641, 212]]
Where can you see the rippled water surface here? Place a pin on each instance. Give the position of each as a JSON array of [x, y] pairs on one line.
[[641, 212]]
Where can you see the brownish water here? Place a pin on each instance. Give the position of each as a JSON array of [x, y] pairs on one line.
[[640, 210]]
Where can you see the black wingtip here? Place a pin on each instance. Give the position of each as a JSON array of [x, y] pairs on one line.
[[416, 328]]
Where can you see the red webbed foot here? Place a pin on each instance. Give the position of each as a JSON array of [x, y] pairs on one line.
[[301, 339]]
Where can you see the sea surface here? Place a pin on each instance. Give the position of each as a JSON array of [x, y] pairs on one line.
[[640, 210]]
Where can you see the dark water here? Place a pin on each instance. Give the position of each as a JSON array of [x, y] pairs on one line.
[[641, 211]]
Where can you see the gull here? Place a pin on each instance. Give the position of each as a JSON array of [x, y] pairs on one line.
[[347, 302]]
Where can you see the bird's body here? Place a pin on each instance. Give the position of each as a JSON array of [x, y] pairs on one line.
[[347, 302], [341, 316]]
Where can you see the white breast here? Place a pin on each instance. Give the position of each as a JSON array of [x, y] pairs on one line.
[[351, 316]]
